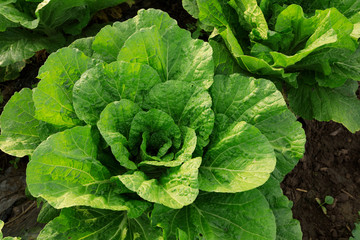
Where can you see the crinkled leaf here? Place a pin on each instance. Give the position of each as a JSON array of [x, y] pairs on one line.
[[258, 102], [114, 126], [19, 128], [340, 64], [87, 223], [187, 104], [162, 52], [251, 16], [19, 44], [107, 83], [213, 216], [53, 95], [332, 29], [325, 104], [240, 159], [178, 187], [110, 39], [157, 129], [65, 172]]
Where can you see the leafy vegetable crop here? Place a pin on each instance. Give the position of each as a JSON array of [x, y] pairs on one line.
[[133, 137], [314, 54], [29, 26]]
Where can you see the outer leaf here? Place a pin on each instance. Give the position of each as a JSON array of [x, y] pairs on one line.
[[47, 213], [218, 14], [219, 216], [190, 106], [114, 126], [332, 29], [110, 39], [223, 60], [258, 102], [287, 228], [13, 14], [87, 223], [325, 104], [161, 51], [17, 45], [241, 159], [178, 187], [104, 84], [19, 128], [341, 65], [5, 23], [64, 171], [53, 96], [54, 14]]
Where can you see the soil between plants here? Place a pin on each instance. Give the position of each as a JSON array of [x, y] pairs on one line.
[[330, 166]]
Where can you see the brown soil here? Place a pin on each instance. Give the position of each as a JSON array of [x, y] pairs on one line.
[[330, 165]]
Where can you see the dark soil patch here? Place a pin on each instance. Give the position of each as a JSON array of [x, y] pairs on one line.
[[330, 166]]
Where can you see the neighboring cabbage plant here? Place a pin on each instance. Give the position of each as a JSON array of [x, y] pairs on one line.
[[132, 136], [30, 26], [314, 55]]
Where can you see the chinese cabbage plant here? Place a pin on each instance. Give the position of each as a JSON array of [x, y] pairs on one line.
[[30, 26], [133, 137], [314, 54]]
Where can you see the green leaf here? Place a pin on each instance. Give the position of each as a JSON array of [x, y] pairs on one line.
[[325, 104], [19, 128], [18, 44], [178, 187], [332, 29], [110, 39], [161, 51], [223, 60], [13, 14], [65, 172], [239, 160], [5, 23], [287, 228], [356, 231], [87, 223], [190, 106], [215, 216], [258, 102], [251, 16], [71, 16], [114, 125], [157, 128], [107, 83], [53, 95], [47, 213], [340, 64]]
